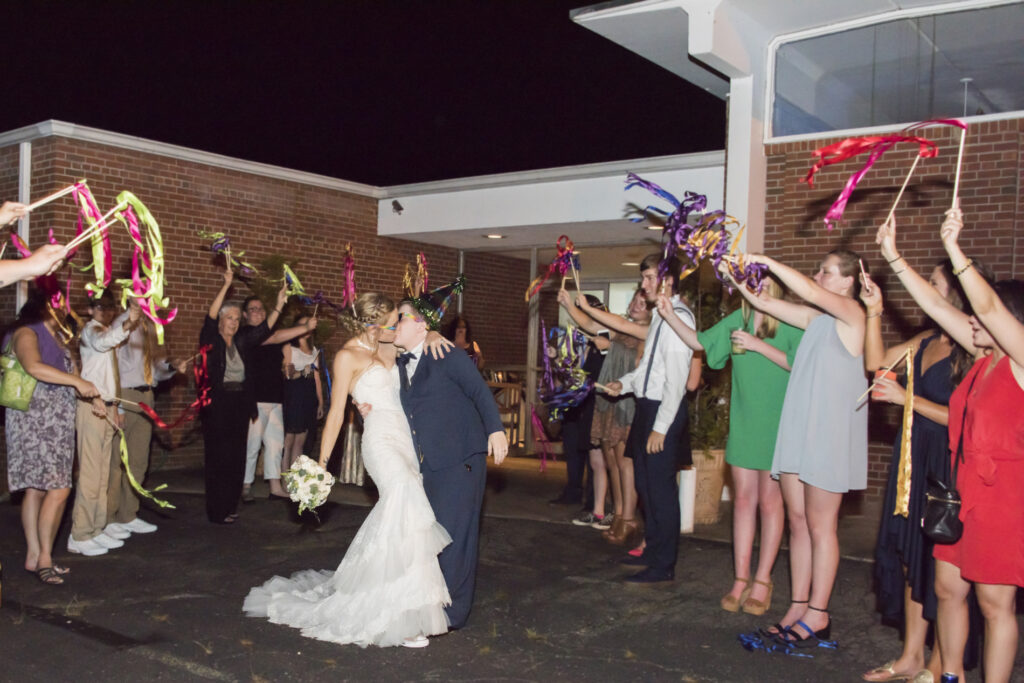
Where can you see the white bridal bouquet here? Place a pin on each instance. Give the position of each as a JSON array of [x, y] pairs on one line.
[[307, 483]]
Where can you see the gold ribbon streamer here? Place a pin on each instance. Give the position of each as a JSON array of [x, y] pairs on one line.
[[903, 478], [131, 477]]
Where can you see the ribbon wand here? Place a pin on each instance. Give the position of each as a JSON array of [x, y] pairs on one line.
[[904, 186], [959, 163], [51, 197], [882, 374]]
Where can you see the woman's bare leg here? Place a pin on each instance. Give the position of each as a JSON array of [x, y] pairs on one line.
[[773, 521], [952, 621], [822, 512], [800, 555], [744, 526], [30, 505], [614, 476], [998, 603], [600, 473]]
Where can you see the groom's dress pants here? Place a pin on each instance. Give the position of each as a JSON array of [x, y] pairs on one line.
[[456, 493]]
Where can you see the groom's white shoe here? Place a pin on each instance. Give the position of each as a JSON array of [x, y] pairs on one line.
[[418, 641]]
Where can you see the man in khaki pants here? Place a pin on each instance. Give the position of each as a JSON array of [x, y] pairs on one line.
[[93, 423], [138, 374]]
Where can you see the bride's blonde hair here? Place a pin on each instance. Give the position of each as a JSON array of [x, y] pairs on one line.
[[371, 308]]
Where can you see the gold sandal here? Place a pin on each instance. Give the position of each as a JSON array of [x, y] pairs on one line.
[[732, 604], [759, 607]]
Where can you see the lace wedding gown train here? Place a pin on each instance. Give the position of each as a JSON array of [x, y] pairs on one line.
[[388, 586]]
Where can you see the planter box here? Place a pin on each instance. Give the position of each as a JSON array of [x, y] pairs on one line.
[[710, 467]]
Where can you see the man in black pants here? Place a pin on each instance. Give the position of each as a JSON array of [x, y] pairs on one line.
[[659, 436]]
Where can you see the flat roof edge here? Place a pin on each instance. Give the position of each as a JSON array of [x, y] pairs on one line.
[[674, 162], [54, 128]]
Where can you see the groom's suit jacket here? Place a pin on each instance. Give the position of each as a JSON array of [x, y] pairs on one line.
[[450, 408]]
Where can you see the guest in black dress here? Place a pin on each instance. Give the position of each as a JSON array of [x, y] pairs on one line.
[[904, 566], [303, 394]]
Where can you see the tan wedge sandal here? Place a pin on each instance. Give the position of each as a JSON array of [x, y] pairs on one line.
[[759, 607]]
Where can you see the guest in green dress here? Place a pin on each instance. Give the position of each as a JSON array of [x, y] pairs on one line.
[[759, 381]]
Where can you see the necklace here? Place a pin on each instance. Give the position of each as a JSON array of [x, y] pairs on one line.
[[363, 345]]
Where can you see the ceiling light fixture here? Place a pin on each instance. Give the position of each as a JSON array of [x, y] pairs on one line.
[[631, 263], [495, 237], [654, 227]]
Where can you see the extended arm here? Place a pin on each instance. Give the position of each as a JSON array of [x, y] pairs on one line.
[[955, 322], [289, 333], [1006, 330], [282, 298], [612, 321], [876, 355], [582, 320], [218, 300], [685, 332], [43, 261], [841, 307], [788, 312], [893, 392]]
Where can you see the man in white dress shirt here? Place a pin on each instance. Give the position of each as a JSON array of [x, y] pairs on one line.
[[659, 439], [138, 373], [93, 420]]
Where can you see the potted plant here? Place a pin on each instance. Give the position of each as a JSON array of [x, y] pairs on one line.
[[709, 405]]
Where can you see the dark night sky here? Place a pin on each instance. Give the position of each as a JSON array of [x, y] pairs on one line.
[[380, 91]]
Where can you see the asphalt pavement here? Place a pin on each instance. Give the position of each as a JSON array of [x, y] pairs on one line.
[[550, 602]]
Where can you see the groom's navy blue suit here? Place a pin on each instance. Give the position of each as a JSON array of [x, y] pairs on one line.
[[451, 411]]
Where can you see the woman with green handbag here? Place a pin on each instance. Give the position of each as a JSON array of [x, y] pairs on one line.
[[41, 440]]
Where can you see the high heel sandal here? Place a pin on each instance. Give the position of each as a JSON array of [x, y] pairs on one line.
[[732, 604], [814, 639], [758, 607]]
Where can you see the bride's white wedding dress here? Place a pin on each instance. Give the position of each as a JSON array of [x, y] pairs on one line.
[[389, 586]]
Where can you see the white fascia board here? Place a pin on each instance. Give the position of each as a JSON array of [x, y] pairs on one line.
[[554, 197], [53, 128]]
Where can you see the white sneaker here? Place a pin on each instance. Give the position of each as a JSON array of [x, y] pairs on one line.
[[139, 526], [106, 541], [89, 548], [417, 642], [115, 530]]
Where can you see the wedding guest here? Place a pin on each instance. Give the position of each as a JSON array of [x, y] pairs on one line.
[[458, 331], [90, 533], [138, 372], [577, 447], [984, 412], [904, 566], [265, 362], [659, 436], [612, 416], [759, 380], [821, 448], [41, 440], [303, 394]]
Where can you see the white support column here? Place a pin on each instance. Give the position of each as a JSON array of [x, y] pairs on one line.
[[25, 197], [746, 164]]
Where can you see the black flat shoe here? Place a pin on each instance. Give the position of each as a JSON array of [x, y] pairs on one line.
[[274, 496]]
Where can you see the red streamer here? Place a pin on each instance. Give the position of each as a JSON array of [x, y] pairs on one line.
[[202, 395]]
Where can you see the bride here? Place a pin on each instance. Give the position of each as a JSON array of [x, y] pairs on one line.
[[388, 589]]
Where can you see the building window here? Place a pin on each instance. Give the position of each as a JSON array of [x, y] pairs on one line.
[[901, 71]]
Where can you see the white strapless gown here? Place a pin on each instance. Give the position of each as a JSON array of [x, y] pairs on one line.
[[388, 586]]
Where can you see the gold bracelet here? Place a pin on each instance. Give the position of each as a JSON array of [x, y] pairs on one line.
[[963, 269], [873, 315]]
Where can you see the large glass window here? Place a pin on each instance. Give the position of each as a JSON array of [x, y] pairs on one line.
[[902, 71]]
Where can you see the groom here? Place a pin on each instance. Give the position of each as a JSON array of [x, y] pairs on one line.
[[455, 426]]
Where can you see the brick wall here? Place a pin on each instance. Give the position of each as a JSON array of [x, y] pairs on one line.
[[263, 216], [991, 180]]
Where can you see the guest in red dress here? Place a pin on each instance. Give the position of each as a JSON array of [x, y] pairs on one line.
[[990, 553]]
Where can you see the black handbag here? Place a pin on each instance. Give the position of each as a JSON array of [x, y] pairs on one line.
[[941, 521]]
